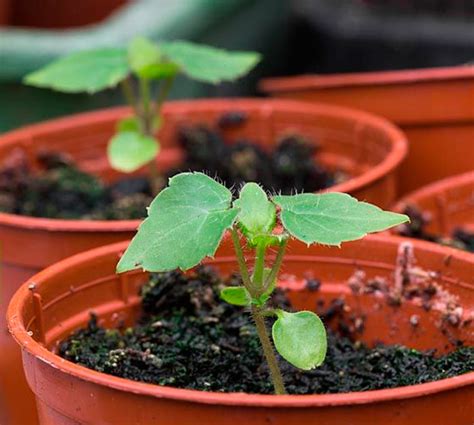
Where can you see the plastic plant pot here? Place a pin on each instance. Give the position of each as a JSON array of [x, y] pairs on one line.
[[449, 203], [58, 300], [368, 148], [434, 107]]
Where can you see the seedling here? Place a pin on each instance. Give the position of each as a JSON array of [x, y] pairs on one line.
[[187, 221], [146, 72]]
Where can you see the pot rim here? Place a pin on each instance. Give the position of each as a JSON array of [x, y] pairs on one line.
[[28, 344], [356, 79], [391, 161], [434, 188]]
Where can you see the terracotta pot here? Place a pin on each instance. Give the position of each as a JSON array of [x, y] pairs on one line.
[[435, 108], [367, 147], [57, 301], [449, 202]]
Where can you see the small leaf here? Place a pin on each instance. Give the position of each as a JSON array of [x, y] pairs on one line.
[[332, 218], [87, 71], [128, 124], [160, 70], [236, 295], [128, 151], [262, 299], [266, 239], [132, 124], [257, 214], [185, 224], [300, 338], [142, 55], [208, 64]]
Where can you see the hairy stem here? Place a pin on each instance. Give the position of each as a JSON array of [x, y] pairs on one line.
[[276, 266], [244, 272], [259, 267], [268, 351]]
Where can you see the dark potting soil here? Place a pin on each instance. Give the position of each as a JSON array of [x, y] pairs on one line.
[[416, 228], [61, 190], [188, 338]]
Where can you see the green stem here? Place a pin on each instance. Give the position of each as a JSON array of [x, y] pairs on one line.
[[259, 266], [268, 351], [145, 97], [147, 123], [244, 272], [163, 93], [276, 265], [128, 93]]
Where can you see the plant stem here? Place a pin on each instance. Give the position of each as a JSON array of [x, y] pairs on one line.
[[276, 265], [268, 351], [163, 93], [244, 272], [147, 124], [259, 267], [129, 95]]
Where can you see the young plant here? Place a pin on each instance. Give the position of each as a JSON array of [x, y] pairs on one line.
[[146, 72], [187, 221]]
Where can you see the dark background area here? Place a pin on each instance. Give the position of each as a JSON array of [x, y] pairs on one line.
[[294, 36]]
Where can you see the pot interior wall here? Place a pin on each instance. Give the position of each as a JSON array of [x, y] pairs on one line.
[[63, 303], [348, 143], [449, 203]]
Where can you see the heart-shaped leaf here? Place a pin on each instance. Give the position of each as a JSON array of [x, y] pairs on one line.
[[332, 218], [300, 338], [208, 64], [236, 295], [185, 223], [128, 151], [87, 71], [257, 214]]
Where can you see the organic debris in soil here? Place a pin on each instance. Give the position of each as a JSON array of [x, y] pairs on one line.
[[416, 228], [188, 338], [58, 189]]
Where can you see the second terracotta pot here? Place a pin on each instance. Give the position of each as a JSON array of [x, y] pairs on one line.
[[368, 148], [58, 300], [434, 107], [449, 203]]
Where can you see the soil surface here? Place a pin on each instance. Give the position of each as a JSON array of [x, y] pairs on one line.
[[188, 338], [59, 189], [460, 238]]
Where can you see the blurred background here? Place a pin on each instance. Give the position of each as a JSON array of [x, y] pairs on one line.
[[295, 37]]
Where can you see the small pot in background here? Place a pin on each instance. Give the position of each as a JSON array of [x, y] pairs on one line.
[[434, 107]]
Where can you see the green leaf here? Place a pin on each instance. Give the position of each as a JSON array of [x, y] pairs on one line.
[[257, 214], [160, 70], [208, 64], [185, 223], [236, 295], [143, 55], [300, 338], [87, 71], [128, 124], [332, 218], [128, 151], [266, 239]]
